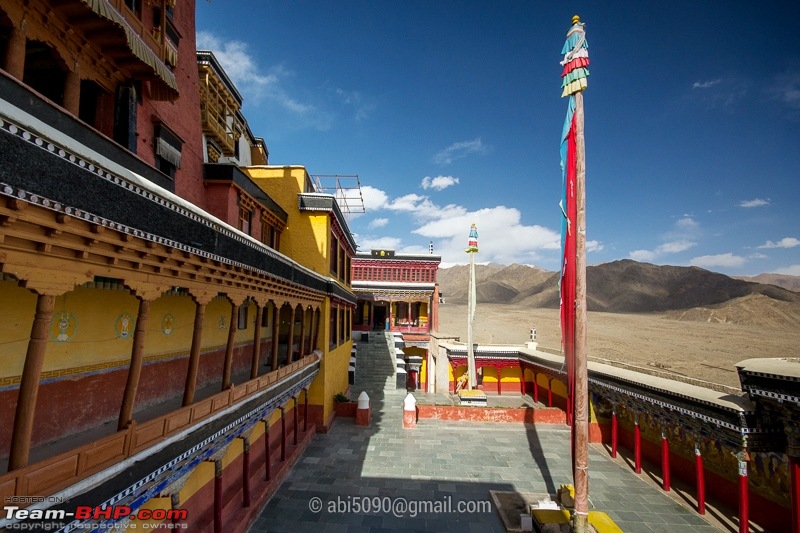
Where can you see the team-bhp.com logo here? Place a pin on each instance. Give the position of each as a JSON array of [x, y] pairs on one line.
[[28, 519]]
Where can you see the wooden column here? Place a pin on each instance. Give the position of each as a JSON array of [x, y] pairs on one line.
[[302, 343], [614, 432], [218, 496], [499, 391], [194, 355], [276, 330], [29, 384], [305, 412], [135, 368], [665, 477], [228, 364], [315, 339], [256, 342], [246, 472], [14, 60], [637, 445], [535, 389], [744, 493], [283, 434], [550, 392], [72, 92], [290, 341], [296, 419], [267, 454], [701, 480]]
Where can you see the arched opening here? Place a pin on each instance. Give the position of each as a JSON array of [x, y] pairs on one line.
[[45, 71]]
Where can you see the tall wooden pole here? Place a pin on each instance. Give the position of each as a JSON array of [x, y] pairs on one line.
[[472, 382], [581, 429]]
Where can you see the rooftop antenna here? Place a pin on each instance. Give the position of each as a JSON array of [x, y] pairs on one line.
[[430, 248]]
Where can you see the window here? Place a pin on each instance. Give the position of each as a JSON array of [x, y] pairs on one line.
[[168, 150], [334, 322], [245, 218], [334, 255]]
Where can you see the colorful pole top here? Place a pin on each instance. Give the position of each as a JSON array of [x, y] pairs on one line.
[[472, 246], [576, 59]]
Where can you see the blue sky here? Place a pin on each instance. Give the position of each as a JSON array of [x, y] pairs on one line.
[[450, 113]]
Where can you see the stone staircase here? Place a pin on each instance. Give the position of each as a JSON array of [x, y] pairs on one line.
[[375, 374]]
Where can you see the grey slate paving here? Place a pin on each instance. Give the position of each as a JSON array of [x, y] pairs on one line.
[[362, 477]]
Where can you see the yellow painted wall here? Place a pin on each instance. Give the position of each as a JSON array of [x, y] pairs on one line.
[[510, 375], [332, 377], [307, 238], [200, 476], [15, 326]]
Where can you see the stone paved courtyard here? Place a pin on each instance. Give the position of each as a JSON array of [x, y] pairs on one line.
[[345, 474]]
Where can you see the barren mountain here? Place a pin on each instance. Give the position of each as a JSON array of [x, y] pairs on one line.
[[684, 293], [781, 280]]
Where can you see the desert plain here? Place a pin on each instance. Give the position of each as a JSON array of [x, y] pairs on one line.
[[701, 350]]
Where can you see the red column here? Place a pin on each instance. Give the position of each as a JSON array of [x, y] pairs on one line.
[[614, 432], [283, 434], [499, 392], [29, 383], [535, 389], [14, 60], [701, 480], [550, 393], [246, 473], [268, 455], [305, 413], [217, 496], [194, 355], [296, 421], [276, 324], [665, 461], [226, 366], [794, 472], [637, 445], [744, 500], [290, 343], [256, 342], [521, 380]]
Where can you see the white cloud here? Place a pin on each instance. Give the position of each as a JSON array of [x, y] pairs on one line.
[[786, 242], [256, 83], [720, 260], [757, 202], [378, 223], [793, 270], [705, 84], [438, 183], [681, 238], [371, 242], [362, 109], [374, 198], [594, 246], [645, 256], [674, 247], [459, 150]]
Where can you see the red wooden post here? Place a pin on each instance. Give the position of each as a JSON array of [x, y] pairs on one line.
[[794, 473], [268, 462], [296, 421], [637, 445], [305, 412], [614, 432], [246, 473], [535, 389], [744, 500], [521, 380], [283, 434], [499, 392], [550, 393], [217, 496], [665, 461], [701, 480]]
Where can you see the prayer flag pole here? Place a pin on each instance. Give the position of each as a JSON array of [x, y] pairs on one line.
[[472, 249], [574, 74]]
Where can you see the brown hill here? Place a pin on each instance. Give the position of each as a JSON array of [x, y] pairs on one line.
[[628, 286], [781, 280]]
